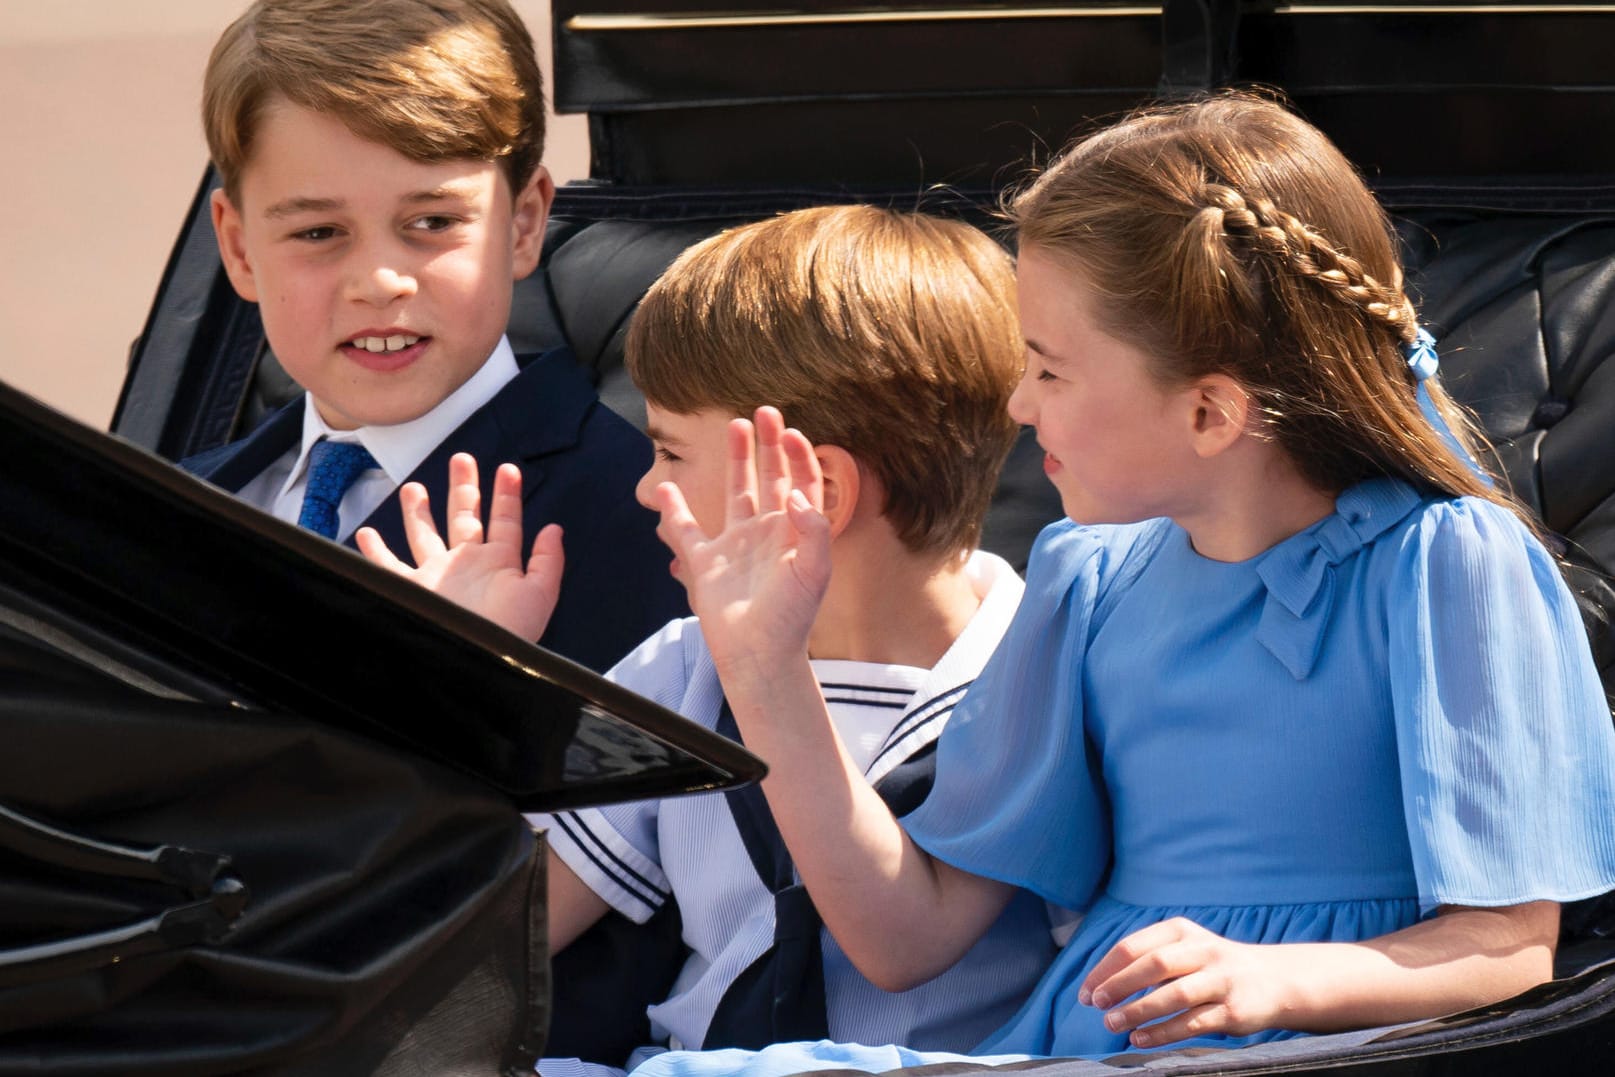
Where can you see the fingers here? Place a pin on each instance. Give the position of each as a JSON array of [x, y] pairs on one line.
[[419, 530], [547, 550], [1195, 1005], [464, 517], [773, 471], [545, 565], [371, 544], [678, 530], [1098, 989], [505, 514], [803, 465], [1198, 1021], [1180, 980], [742, 501]]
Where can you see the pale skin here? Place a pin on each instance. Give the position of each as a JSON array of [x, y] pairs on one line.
[[924, 600], [903, 916], [344, 242]]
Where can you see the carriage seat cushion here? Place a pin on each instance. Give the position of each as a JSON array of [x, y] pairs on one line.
[[1521, 305]]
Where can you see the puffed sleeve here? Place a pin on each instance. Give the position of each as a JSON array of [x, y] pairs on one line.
[[1504, 735], [1018, 794]]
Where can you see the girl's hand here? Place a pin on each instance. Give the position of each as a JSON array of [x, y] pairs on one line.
[[480, 571], [1197, 982], [756, 586]]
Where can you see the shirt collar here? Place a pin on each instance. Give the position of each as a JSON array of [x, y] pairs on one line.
[[400, 447]]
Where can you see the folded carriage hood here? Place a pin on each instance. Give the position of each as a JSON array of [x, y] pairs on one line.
[[114, 557]]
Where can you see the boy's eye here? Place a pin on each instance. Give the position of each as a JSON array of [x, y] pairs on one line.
[[315, 234], [666, 455], [435, 222], [1044, 375]]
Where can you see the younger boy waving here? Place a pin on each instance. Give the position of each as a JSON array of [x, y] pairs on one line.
[[889, 341]]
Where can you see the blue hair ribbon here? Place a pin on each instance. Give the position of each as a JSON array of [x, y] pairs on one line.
[[1425, 363]]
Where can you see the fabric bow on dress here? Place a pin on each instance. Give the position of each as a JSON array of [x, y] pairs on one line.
[[1300, 572]]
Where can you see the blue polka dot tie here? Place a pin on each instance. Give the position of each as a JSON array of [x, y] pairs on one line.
[[332, 467]]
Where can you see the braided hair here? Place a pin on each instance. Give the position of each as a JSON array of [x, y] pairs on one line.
[[1227, 236]]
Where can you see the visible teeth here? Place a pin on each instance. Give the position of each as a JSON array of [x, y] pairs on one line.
[[395, 343]]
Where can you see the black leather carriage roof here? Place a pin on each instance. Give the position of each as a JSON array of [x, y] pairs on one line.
[[912, 93]]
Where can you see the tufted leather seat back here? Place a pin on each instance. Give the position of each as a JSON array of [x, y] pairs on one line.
[[1523, 308], [1522, 305]]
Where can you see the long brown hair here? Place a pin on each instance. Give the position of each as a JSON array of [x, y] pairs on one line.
[[1227, 235]]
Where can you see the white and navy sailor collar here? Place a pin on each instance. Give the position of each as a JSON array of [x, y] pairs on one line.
[[945, 685]]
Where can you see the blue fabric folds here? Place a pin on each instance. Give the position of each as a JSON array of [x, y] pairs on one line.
[[1300, 576], [1504, 738], [1393, 710]]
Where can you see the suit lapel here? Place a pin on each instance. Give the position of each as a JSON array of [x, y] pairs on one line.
[[540, 412], [232, 466]]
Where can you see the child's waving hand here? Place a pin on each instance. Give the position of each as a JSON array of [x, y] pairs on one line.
[[757, 584], [481, 571]]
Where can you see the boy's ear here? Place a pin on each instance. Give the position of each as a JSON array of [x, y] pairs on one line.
[[843, 483], [1221, 413], [529, 214], [227, 228]]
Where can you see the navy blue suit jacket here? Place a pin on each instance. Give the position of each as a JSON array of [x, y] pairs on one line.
[[579, 464]]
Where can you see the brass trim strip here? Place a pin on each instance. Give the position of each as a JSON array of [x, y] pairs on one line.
[[585, 24], [608, 23], [1445, 9]]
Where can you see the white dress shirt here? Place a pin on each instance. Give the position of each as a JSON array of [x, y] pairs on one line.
[[398, 448]]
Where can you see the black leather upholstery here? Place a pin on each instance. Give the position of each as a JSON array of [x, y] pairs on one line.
[[1522, 307], [1522, 303]]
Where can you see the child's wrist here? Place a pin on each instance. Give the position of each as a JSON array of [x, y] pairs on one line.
[[760, 675]]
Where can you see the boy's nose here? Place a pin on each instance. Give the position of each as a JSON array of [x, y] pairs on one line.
[[646, 487], [381, 283]]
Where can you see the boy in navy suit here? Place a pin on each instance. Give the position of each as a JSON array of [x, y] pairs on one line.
[[381, 192]]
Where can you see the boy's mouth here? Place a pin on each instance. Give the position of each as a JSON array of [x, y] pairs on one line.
[[378, 345]]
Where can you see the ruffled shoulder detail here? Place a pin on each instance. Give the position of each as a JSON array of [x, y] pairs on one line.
[[1018, 795], [1299, 573], [1504, 735]]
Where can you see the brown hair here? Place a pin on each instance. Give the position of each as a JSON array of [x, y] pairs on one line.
[[1226, 235], [433, 79], [891, 335]]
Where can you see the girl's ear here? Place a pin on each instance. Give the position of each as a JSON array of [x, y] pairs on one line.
[[843, 483], [227, 228], [1221, 414]]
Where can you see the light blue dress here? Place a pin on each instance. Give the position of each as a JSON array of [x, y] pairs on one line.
[[1392, 710]]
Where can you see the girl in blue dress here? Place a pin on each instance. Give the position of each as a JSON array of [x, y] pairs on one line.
[[1297, 708]]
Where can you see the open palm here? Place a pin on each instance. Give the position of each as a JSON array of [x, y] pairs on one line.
[[757, 584], [480, 569]]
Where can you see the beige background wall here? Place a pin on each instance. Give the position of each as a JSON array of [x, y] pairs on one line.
[[100, 154]]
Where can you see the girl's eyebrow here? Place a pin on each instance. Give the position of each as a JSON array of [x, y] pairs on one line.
[[1047, 355]]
